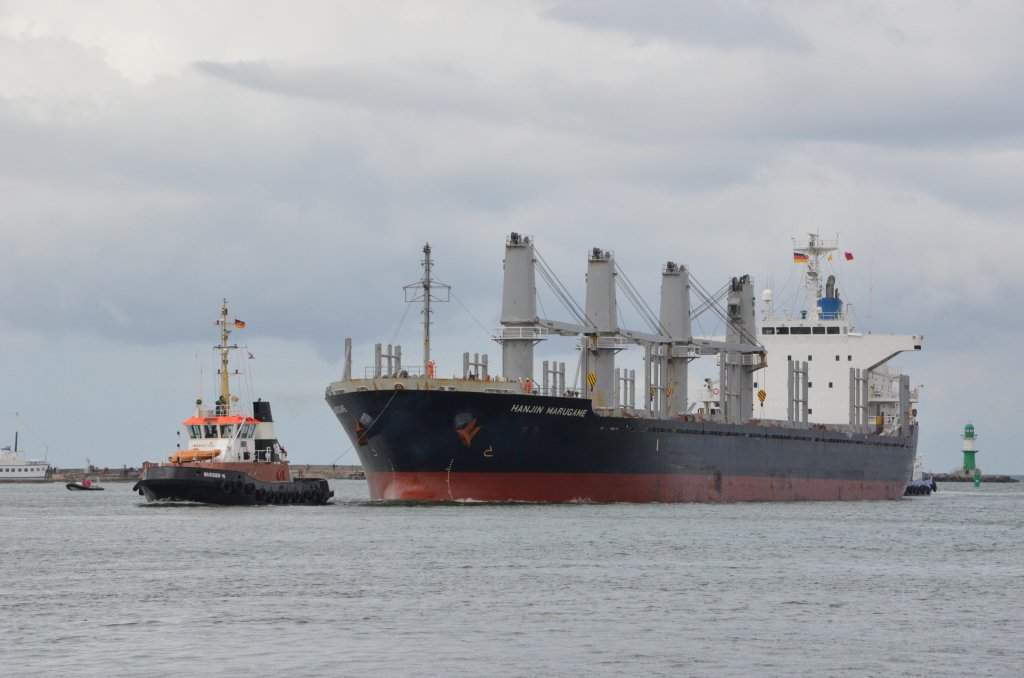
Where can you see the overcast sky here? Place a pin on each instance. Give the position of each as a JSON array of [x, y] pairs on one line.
[[295, 156]]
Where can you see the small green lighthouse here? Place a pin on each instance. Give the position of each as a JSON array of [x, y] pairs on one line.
[[969, 448], [970, 467]]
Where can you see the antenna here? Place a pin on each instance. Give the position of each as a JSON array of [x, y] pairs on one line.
[[421, 292]]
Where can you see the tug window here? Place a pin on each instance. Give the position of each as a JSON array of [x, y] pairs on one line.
[[210, 431], [227, 431], [195, 431]]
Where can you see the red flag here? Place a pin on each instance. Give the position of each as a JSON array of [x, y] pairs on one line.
[[848, 255]]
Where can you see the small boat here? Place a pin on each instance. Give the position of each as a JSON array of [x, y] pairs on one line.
[[90, 484], [233, 456]]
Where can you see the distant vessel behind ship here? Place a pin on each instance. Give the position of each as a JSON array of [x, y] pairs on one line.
[[15, 468]]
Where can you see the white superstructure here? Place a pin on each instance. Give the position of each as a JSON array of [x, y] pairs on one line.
[[834, 351]]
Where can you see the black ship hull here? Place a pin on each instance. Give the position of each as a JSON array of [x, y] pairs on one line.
[[444, 445], [217, 485]]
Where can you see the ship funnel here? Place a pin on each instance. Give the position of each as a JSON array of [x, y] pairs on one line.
[[261, 411], [829, 306]]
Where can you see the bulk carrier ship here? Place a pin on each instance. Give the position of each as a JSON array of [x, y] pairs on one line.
[[838, 425]]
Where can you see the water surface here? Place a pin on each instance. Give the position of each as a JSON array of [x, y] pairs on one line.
[[102, 584]]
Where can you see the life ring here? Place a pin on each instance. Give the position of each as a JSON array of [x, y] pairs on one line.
[[715, 391], [282, 474], [226, 487]]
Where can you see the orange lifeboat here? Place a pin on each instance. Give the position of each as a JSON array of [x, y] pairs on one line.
[[193, 455]]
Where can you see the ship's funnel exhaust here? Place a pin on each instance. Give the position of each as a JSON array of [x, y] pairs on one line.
[[261, 411]]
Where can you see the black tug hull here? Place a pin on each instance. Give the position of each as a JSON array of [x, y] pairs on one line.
[[228, 488]]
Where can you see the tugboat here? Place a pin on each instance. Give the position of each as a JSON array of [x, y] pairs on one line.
[[233, 457]]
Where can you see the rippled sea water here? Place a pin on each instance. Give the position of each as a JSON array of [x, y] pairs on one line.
[[102, 584]]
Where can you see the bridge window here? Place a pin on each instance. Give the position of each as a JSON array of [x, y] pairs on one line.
[[210, 431], [195, 431], [767, 330], [832, 330], [781, 330], [801, 330], [227, 431], [819, 330]]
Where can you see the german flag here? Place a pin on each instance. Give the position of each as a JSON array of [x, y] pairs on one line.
[[240, 324], [799, 258]]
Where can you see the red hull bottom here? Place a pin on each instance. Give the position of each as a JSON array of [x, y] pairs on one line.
[[609, 487]]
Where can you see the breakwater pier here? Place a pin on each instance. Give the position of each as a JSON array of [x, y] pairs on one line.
[[964, 478]]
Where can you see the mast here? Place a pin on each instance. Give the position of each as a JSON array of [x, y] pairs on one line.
[[426, 304], [814, 250], [422, 291], [223, 347]]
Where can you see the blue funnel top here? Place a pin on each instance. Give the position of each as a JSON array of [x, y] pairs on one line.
[[830, 307]]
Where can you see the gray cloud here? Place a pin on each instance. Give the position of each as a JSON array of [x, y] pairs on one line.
[[717, 24]]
